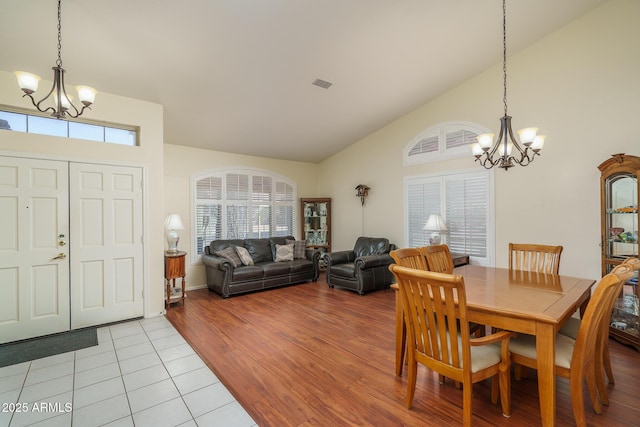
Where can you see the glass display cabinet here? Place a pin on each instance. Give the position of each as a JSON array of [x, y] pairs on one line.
[[619, 207], [316, 224]]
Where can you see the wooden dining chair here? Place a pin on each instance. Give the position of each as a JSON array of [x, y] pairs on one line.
[[438, 258], [532, 257], [575, 359], [411, 258], [435, 310], [603, 360], [415, 258]]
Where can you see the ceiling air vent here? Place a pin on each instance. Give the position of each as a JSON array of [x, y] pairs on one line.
[[322, 83]]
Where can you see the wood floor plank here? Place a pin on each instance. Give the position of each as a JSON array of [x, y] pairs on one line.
[[309, 355]]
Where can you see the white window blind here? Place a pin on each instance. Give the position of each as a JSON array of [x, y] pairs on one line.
[[208, 206], [424, 196], [467, 214], [241, 204], [464, 202], [444, 141]]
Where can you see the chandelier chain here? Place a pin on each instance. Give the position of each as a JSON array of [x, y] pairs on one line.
[[504, 53], [505, 151], [59, 61]]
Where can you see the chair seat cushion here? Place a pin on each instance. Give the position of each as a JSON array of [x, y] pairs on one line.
[[344, 270], [525, 345], [571, 327], [484, 356]]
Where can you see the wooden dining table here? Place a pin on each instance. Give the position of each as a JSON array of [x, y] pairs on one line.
[[525, 302]]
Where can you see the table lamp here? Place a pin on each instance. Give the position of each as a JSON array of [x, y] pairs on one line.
[[173, 223], [435, 224]]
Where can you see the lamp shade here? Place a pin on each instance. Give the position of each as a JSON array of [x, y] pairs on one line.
[[435, 223], [173, 222]]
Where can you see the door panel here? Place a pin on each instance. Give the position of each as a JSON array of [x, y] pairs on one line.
[[34, 265], [106, 224]]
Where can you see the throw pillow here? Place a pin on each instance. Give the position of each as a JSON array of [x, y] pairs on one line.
[[284, 252], [243, 253], [299, 248], [229, 253]]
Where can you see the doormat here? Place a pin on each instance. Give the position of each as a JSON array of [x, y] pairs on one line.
[[50, 345]]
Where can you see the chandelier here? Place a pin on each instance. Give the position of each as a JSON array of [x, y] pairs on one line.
[[506, 152], [62, 105]]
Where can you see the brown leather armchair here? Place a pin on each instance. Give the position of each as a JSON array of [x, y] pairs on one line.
[[363, 269]]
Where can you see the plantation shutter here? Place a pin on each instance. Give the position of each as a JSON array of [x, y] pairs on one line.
[[284, 209], [464, 202], [208, 211], [424, 198], [238, 215], [467, 214]]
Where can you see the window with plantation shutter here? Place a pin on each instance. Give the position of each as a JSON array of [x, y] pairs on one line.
[[464, 200], [241, 204], [444, 141]]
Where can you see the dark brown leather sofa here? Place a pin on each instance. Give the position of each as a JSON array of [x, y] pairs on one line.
[[363, 269], [226, 280]]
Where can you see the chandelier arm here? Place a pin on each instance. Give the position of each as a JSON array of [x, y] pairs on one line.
[[66, 111], [37, 105], [514, 141]]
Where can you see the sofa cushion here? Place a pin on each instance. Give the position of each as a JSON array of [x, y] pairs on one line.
[[299, 248], [230, 254], [259, 249], [371, 246], [278, 240], [218, 245], [250, 272], [243, 253], [346, 270], [301, 266], [284, 252], [272, 269]]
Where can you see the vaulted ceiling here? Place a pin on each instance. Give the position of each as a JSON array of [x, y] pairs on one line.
[[236, 75]]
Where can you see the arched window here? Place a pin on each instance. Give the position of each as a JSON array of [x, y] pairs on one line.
[[241, 204], [443, 141]]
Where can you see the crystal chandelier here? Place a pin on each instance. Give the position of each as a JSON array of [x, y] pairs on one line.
[[501, 153], [62, 105]]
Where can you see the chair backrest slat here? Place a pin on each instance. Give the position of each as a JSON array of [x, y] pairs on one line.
[[596, 315], [533, 257], [409, 257]]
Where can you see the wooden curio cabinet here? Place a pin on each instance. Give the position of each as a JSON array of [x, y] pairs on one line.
[[619, 211], [316, 223]]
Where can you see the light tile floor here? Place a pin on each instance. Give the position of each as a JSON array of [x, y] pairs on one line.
[[141, 373]]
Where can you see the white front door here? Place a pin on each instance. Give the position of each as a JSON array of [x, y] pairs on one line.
[[34, 254], [106, 246]]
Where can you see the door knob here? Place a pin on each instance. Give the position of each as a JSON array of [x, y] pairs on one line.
[[60, 256]]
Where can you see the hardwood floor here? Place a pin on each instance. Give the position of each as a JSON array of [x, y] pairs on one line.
[[309, 355]]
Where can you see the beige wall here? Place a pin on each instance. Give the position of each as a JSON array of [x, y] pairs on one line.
[[580, 86], [181, 163], [148, 155]]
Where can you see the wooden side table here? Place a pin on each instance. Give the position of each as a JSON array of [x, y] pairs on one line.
[[460, 259], [174, 269]]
